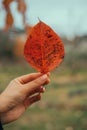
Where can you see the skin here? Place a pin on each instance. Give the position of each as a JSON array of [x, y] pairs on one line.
[[20, 94]]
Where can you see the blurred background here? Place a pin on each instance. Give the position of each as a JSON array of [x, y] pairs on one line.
[[64, 105]]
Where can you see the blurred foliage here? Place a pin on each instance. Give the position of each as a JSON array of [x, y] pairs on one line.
[[6, 46], [21, 7]]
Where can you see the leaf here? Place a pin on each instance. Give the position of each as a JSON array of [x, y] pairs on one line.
[[21, 6], [9, 19], [6, 4], [22, 9], [44, 49]]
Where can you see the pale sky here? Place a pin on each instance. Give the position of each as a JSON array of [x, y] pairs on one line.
[[66, 17]]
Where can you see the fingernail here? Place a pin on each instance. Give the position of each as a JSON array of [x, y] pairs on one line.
[[44, 77], [44, 89]]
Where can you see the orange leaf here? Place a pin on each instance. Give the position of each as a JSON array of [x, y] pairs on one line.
[[6, 3], [43, 49], [21, 6], [9, 19]]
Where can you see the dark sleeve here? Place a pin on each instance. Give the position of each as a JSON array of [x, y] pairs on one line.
[[1, 126]]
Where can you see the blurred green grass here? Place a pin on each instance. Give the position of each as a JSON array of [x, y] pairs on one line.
[[63, 105]]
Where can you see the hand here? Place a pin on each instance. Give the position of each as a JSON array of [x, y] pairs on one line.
[[20, 94]]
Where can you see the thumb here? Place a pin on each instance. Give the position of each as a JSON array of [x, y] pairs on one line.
[[35, 84]]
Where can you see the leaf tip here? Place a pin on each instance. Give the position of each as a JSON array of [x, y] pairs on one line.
[[39, 19]]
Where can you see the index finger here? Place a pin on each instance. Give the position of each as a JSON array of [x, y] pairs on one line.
[[28, 77]]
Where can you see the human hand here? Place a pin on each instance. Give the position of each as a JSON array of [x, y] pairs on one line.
[[20, 94]]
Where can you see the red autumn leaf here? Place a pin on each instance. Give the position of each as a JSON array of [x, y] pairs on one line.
[[44, 49]]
